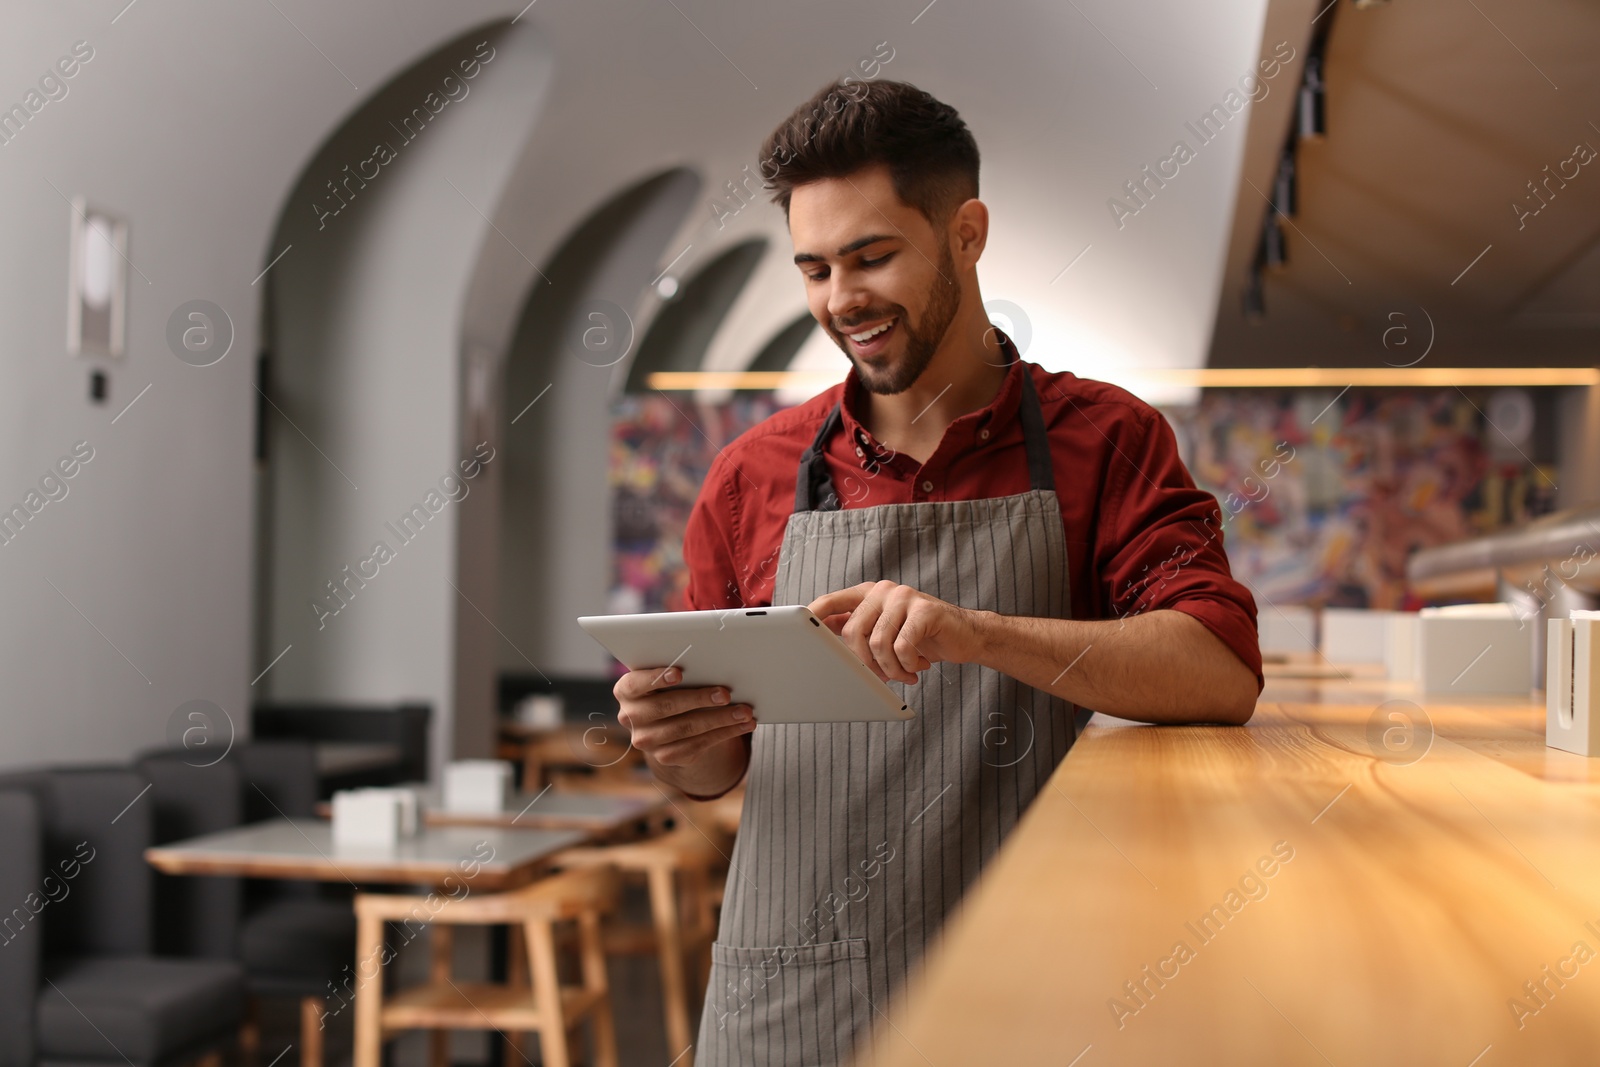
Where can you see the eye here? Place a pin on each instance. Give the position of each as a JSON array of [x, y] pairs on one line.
[[817, 277], [879, 260]]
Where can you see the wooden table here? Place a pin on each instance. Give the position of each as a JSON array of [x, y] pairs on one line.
[[459, 860], [603, 750], [304, 848], [601, 816], [1391, 896]]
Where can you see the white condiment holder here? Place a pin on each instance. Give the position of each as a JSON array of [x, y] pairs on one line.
[[541, 711], [1572, 684], [380, 816], [1355, 635], [477, 786], [1474, 648]]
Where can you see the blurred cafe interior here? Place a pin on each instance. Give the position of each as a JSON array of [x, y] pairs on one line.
[[389, 339]]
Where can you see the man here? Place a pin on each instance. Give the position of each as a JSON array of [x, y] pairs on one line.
[[1007, 544]]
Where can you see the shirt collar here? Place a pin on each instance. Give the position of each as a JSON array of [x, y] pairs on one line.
[[995, 418]]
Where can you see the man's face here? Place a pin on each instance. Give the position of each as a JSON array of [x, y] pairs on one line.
[[870, 261]]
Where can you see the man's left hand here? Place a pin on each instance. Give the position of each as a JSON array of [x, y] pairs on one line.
[[898, 631]]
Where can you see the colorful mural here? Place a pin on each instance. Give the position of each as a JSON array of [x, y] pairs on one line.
[[1368, 479], [661, 447], [1322, 498]]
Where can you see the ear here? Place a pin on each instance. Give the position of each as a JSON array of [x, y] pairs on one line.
[[969, 232]]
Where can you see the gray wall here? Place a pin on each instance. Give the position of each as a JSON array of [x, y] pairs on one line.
[[557, 523], [197, 121], [366, 383], [191, 121]]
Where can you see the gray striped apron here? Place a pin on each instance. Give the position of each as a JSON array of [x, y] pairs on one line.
[[857, 839]]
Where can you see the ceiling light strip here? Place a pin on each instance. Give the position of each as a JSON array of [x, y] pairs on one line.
[[1197, 377], [1381, 377]]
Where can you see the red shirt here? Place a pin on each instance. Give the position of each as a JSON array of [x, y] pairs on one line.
[[1140, 535]]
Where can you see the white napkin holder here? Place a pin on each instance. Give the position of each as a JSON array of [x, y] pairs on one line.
[[1474, 648], [1355, 635], [477, 786], [374, 816], [541, 711], [1572, 684]]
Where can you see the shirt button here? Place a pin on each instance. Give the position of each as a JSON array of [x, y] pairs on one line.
[[927, 487], [983, 435], [859, 452]]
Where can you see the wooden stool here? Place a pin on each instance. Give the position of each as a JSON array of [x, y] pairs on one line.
[[545, 1007], [312, 1010], [602, 751], [679, 869]]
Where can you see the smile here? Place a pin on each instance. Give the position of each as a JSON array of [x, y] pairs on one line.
[[867, 335], [871, 340]]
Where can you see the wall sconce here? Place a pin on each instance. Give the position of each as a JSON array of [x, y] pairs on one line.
[[97, 283]]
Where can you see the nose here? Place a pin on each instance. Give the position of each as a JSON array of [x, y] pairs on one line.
[[845, 297]]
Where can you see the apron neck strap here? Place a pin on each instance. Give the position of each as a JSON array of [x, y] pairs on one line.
[[814, 489], [1041, 467]]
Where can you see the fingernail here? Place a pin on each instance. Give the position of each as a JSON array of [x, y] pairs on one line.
[[741, 714], [672, 674], [719, 697]]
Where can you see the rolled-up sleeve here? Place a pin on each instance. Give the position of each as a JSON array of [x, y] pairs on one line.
[[1160, 543]]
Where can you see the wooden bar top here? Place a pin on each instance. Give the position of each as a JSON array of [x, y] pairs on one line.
[[1329, 884]]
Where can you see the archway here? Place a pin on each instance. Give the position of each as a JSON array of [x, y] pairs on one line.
[[371, 459], [571, 348]]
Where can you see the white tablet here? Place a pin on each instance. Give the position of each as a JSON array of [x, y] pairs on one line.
[[782, 661]]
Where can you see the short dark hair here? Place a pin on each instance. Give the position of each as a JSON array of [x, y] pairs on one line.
[[931, 155]]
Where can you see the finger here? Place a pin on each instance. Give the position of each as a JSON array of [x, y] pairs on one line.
[[908, 645], [857, 632], [836, 622], [655, 735], [841, 600], [666, 703], [884, 636], [646, 680], [683, 752]]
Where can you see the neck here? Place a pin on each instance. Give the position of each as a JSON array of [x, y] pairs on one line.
[[964, 375]]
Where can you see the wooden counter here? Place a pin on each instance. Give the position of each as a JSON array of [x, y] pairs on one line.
[[1385, 908]]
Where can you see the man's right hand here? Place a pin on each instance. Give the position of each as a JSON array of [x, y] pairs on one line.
[[692, 738]]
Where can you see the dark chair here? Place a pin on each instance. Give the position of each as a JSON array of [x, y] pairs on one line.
[[581, 698], [299, 938], [23, 890], [195, 917], [80, 981], [404, 726], [291, 941]]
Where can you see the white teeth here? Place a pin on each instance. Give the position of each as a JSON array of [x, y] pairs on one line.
[[863, 338]]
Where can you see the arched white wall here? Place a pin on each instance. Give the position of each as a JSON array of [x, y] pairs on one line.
[[366, 372], [194, 120], [556, 555], [130, 596]]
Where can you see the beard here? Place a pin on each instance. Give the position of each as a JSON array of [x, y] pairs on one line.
[[922, 340]]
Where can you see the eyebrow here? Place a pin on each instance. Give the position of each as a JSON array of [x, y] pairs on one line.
[[853, 246]]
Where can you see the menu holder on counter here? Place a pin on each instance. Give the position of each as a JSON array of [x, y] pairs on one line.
[[1572, 684]]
